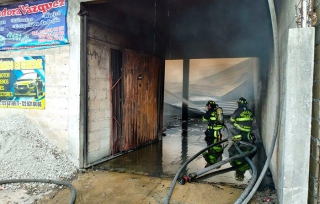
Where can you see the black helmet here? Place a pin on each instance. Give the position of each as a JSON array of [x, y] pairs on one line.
[[212, 104], [242, 102]]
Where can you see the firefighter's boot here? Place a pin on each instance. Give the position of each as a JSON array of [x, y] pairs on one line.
[[207, 159], [239, 175]]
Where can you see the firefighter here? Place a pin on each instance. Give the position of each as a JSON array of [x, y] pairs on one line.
[[242, 119], [213, 132]]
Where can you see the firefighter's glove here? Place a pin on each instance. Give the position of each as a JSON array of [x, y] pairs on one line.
[[236, 138]]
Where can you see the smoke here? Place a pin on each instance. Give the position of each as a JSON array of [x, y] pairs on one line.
[[215, 29]]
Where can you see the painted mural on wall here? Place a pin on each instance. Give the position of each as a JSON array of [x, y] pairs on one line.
[[33, 24], [22, 82]]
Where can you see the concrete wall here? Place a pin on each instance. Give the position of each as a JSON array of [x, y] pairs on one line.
[[53, 120], [99, 94], [294, 143], [60, 120], [290, 159], [75, 127], [269, 117]]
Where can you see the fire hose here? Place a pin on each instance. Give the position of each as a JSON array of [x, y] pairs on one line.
[[73, 191], [207, 169]]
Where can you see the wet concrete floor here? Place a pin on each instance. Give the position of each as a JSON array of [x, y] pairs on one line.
[[165, 157]]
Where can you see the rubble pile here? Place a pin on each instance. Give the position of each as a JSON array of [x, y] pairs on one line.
[[26, 154]]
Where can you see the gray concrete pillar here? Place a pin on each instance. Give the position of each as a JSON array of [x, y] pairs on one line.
[[294, 143]]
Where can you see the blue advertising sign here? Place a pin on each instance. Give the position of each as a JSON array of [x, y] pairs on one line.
[[33, 24], [22, 82]]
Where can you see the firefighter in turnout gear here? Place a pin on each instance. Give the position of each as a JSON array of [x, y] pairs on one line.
[[242, 119], [214, 117]]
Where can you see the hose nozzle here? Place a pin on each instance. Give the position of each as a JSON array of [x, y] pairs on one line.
[[184, 179]]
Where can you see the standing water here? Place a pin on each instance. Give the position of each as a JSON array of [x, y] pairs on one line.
[[164, 158]]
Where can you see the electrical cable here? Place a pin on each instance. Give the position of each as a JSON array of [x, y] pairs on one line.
[[73, 191]]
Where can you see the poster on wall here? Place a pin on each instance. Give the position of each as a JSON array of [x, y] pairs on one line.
[[22, 82], [34, 24]]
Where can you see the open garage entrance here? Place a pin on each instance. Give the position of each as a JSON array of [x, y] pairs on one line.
[[210, 50], [125, 49], [164, 60]]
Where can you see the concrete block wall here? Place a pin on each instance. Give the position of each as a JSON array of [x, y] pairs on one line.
[[100, 41], [60, 120], [99, 101], [53, 120]]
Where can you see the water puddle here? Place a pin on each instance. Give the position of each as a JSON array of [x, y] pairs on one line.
[[164, 158]]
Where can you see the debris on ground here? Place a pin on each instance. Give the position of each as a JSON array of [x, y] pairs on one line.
[[26, 154]]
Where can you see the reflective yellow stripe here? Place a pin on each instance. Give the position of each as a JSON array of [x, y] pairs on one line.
[[244, 168], [236, 138], [217, 127], [204, 120], [217, 148], [213, 118], [243, 128], [238, 162], [244, 119], [249, 136]]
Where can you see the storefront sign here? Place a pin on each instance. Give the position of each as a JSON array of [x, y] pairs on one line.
[[34, 24], [22, 82]]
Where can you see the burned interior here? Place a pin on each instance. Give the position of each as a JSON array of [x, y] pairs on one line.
[[156, 31]]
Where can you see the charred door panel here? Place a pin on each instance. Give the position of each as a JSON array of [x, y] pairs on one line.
[[140, 100]]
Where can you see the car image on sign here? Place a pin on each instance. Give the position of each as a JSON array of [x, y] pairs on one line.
[[29, 84]]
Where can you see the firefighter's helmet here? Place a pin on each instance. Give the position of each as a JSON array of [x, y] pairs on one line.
[[212, 104], [242, 102]]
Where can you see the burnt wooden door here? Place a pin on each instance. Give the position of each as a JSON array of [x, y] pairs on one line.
[[141, 90]]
